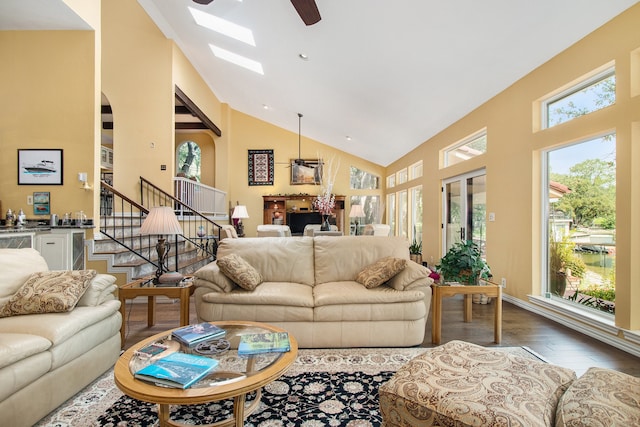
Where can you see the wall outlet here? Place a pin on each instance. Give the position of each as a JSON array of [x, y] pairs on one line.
[[503, 282], [29, 200]]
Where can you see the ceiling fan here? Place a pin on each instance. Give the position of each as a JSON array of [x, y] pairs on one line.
[[307, 9], [299, 161]]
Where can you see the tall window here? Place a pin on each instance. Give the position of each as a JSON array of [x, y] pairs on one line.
[[371, 208], [592, 94], [581, 226], [403, 215], [416, 214], [391, 216], [188, 160], [466, 149]]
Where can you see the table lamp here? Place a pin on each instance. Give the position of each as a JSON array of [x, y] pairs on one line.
[[162, 221], [239, 213], [356, 212]]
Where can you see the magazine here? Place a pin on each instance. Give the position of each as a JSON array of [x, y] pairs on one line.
[[268, 342], [178, 370], [192, 335]]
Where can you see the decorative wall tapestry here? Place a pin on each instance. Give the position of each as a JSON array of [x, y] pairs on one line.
[[260, 167]]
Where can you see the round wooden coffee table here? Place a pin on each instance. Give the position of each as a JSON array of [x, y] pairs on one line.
[[234, 378]]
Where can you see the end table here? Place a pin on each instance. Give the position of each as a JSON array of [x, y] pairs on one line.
[[146, 287]]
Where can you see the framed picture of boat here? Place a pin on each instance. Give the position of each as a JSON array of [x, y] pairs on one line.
[[40, 167]]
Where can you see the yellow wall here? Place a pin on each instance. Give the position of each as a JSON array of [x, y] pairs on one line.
[[48, 87], [249, 133], [512, 162], [137, 80]]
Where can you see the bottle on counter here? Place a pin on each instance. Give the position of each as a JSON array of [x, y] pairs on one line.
[[9, 218], [22, 218]]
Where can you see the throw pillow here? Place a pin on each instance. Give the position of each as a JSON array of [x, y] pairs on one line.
[[49, 292], [240, 271], [380, 271]]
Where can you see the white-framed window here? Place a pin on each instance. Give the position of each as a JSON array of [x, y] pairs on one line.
[[579, 233], [372, 212], [592, 93], [391, 181], [465, 149], [363, 180], [415, 170], [415, 204], [402, 176], [403, 214], [391, 212]]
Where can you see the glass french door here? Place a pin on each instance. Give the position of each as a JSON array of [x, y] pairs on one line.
[[464, 203]]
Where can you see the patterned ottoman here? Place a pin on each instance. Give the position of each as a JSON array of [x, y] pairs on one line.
[[463, 384], [601, 397]]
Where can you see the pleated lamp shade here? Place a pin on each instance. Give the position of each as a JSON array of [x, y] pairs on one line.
[[160, 221]]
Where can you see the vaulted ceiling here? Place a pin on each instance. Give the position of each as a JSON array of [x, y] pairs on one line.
[[373, 78]]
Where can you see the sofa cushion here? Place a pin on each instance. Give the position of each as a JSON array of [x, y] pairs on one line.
[[277, 259], [101, 289], [411, 276], [15, 347], [240, 271], [49, 292], [380, 271], [16, 266], [601, 397], [343, 258], [59, 327]]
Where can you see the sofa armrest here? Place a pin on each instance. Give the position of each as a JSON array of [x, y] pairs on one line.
[[412, 276], [211, 277], [101, 289]]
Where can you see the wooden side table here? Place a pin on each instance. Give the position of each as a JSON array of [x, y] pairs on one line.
[[145, 287], [442, 291]]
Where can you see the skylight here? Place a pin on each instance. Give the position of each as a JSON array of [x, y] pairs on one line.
[[234, 58], [223, 26]]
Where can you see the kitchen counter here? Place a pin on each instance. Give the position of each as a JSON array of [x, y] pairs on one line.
[[40, 228]]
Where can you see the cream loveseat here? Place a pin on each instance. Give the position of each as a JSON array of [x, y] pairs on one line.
[[46, 358], [308, 287]]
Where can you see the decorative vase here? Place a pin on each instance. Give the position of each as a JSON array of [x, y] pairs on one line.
[[201, 231], [325, 223]]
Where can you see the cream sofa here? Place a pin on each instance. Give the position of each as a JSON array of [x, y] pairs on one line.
[[309, 288], [47, 358]]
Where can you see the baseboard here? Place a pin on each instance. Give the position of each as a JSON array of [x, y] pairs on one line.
[[594, 326]]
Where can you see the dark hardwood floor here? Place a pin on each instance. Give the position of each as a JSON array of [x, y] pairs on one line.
[[556, 343]]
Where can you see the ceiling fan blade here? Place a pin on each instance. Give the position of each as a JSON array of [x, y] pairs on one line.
[[308, 11]]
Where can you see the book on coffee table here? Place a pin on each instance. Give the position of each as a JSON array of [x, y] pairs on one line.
[[268, 342], [179, 370], [192, 335]]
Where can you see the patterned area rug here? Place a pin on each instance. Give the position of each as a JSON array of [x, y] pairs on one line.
[[336, 387]]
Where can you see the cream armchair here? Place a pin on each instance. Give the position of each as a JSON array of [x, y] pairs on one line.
[[273, 230], [376, 230], [228, 231]]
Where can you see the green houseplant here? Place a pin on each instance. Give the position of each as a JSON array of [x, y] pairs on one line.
[[463, 263], [415, 251]]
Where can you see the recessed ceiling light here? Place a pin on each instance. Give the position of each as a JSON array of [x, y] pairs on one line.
[[348, 138], [303, 56], [265, 106], [223, 26], [234, 58]]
